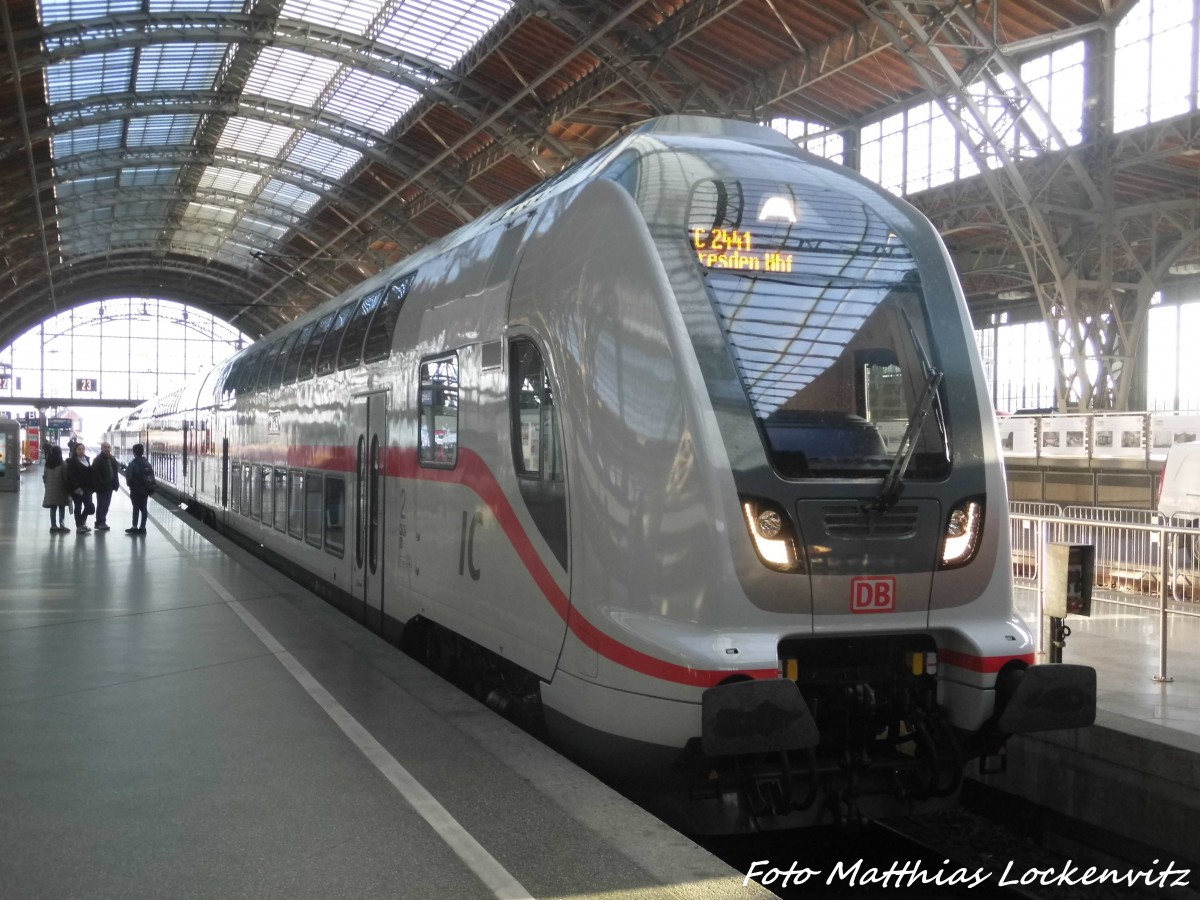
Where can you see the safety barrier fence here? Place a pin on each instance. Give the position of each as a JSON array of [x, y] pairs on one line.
[[1141, 559]]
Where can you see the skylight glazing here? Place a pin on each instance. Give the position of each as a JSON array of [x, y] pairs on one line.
[[372, 101], [354, 16], [179, 67], [88, 76], [253, 136], [290, 76], [321, 155], [443, 32], [161, 130], [235, 181], [283, 91], [88, 139], [149, 176], [55, 11]]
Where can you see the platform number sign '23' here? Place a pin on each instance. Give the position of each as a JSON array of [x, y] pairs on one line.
[[873, 594]]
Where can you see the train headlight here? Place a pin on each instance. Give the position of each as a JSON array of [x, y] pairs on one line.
[[771, 533], [963, 530]]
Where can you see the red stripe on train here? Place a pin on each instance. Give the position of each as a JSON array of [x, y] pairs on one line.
[[473, 473], [985, 664]]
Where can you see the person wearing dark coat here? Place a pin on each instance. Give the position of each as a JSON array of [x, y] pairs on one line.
[[104, 480], [58, 494], [139, 478], [79, 478]]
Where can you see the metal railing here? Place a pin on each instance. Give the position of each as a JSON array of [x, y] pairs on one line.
[[1141, 560]]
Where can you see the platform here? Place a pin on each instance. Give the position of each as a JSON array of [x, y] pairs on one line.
[[1136, 772], [179, 720]]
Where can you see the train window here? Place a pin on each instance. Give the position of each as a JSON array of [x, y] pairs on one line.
[[268, 366], [281, 499], [314, 489], [296, 503], [235, 487], [281, 360], [352, 341], [827, 327], [293, 360], [248, 371], [253, 502], [335, 514], [378, 343], [308, 362], [536, 446], [229, 385], [327, 359], [437, 412], [265, 496]]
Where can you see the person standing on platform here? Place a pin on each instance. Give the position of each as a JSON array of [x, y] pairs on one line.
[[104, 479], [58, 493], [139, 478], [79, 477]]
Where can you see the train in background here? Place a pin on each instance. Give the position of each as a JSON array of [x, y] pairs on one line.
[[616, 456]]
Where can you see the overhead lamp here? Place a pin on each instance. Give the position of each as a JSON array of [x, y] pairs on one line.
[[777, 207]]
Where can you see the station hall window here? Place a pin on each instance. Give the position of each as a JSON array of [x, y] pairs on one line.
[[437, 411]]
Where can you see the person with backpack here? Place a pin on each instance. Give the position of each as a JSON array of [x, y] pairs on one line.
[[139, 478], [79, 479]]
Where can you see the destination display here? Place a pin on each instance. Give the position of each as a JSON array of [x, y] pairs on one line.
[[730, 248]]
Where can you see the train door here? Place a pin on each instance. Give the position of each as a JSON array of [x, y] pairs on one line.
[[370, 434]]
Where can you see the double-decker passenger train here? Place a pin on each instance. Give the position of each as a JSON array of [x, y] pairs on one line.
[[685, 452]]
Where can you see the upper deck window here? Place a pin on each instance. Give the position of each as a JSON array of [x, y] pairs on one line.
[[327, 361], [378, 343], [350, 354]]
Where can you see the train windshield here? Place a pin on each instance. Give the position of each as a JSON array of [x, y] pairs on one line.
[[822, 310]]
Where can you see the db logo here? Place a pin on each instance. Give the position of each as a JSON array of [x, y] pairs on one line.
[[873, 594]]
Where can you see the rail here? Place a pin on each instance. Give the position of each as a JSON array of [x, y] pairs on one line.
[[1142, 560]]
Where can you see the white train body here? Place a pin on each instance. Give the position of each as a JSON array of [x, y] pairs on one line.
[[566, 432]]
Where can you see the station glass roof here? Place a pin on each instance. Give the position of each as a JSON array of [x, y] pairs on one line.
[[302, 121]]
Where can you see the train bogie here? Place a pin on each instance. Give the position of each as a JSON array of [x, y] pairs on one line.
[[686, 452]]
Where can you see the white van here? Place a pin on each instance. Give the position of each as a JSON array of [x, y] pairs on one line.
[[1179, 492]]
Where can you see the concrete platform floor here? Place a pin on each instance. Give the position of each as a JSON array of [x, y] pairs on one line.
[[179, 720]]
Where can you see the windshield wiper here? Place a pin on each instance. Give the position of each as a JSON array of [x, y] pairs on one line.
[[892, 484]]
